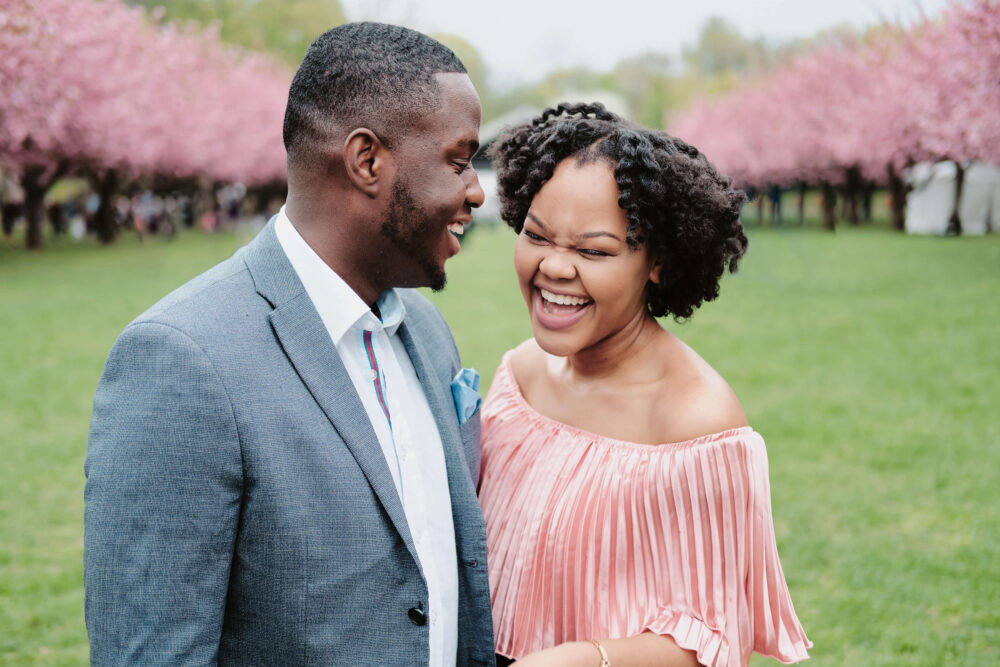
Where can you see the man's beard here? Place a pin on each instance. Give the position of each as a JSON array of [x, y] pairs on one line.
[[409, 229]]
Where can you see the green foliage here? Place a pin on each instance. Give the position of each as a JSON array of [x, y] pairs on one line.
[[284, 28], [573, 79], [722, 48], [470, 57], [866, 358], [653, 85], [645, 82]]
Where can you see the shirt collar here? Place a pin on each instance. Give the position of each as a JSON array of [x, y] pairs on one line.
[[338, 305], [392, 309]]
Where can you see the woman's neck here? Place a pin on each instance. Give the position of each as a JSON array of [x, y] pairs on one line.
[[624, 354]]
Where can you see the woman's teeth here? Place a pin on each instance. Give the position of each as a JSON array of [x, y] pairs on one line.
[[563, 299], [456, 228]]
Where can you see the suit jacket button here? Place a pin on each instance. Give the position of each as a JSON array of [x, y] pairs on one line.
[[418, 615]]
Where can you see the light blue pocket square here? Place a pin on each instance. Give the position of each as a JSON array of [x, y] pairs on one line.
[[465, 391]]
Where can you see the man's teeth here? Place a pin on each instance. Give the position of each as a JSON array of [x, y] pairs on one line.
[[456, 228], [562, 299]]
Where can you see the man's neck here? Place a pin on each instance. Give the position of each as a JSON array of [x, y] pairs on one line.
[[338, 239]]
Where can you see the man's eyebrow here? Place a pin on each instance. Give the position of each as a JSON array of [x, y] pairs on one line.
[[470, 144]]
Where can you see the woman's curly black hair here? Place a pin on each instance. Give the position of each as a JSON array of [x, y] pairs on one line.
[[675, 201]]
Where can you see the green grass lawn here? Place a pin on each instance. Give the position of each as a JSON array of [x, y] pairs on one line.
[[869, 361]]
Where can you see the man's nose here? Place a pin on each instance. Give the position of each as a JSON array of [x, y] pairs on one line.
[[474, 195]]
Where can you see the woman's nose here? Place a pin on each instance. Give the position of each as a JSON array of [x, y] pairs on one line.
[[558, 264]]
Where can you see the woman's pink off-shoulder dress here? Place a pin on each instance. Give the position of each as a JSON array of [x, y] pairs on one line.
[[592, 537]]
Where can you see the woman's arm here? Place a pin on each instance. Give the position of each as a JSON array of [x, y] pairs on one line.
[[645, 650]]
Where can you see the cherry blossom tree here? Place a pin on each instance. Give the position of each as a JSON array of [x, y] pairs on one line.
[[864, 109], [100, 89]]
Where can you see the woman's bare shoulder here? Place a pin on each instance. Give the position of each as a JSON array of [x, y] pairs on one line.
[[697, 399], [525, 361]]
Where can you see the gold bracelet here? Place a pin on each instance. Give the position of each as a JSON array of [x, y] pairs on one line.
[[605, 661]]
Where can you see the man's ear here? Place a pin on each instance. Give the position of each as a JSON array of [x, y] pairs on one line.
[[367, 161]]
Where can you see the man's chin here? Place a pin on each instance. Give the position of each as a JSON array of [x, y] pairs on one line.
[[438, 281], [433, 279]]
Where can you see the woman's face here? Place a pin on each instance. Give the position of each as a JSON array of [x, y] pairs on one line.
[[581, 281]]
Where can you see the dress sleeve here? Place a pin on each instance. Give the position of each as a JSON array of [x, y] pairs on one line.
[[724, 594], [776, 629]]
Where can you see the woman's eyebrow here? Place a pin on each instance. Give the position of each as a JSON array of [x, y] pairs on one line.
[[590, 235], [538, 222], [583, 235]]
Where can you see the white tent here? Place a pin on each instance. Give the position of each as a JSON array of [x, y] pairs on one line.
[[980, 209], [930, 202]]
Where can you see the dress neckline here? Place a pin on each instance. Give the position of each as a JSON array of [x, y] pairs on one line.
[[522, 402]]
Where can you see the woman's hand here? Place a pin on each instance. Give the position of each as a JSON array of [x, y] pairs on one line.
[[645, 650], [570, 654]]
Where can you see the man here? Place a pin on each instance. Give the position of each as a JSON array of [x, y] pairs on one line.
[[277, 473]]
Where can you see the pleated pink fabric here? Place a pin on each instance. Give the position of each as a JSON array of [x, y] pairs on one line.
[[592, 537]]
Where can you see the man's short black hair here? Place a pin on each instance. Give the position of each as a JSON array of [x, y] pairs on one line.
[[676, 203], [363, 75]]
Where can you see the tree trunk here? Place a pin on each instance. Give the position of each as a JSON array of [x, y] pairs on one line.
[[802, 203], [104, 219], [829, 205], [7, 217], [852, 188], [867, 195], [6, 221], [955, 221], [897, 199], [34, 186], [760, 208]]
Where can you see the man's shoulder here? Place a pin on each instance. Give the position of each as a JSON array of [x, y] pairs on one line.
[[205, 298]]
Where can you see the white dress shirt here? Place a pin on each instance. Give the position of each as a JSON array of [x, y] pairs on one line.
[[397, 408]]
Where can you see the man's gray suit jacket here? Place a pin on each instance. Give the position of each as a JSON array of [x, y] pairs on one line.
[[239, 508]]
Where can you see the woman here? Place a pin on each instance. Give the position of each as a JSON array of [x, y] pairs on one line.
[[626, 498]]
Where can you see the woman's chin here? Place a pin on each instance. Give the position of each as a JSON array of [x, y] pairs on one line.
[[554, 343]]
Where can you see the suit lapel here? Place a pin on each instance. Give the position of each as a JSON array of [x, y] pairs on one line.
[[463, 494], [308, 346], [470, 528]]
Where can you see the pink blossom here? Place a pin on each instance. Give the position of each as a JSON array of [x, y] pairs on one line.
[[96, 85], [929, 92]]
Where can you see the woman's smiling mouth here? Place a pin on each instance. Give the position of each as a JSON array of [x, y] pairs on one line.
[[558, 311]]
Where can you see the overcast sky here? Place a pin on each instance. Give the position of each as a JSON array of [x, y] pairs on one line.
[[521, 40]]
